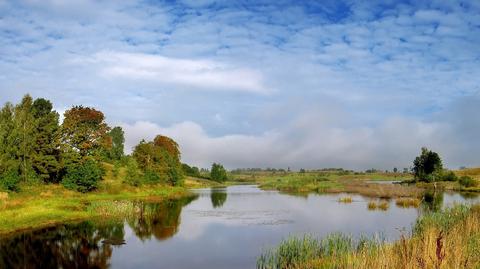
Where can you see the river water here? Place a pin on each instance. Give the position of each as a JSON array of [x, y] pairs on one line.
[[219, 228]]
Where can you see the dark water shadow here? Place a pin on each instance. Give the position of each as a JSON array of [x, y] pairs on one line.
[[89, 244]]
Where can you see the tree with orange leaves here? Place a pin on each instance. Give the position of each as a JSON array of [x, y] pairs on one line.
[[84, 131]]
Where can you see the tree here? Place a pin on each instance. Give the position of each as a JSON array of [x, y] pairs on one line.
[[118, 140], [162, 157], [395, 170], [46, 156], [85, 132], [9, 163], [427, 166], [23, 132], [83, 177], [218, 173]]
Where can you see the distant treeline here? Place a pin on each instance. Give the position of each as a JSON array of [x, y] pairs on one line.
[[36, 147]]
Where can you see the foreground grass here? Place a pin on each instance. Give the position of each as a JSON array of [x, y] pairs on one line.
[[445, 239]]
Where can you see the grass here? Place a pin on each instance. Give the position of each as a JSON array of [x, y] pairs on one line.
[[40, 205], [334, 182], [346, 200], [380, 205], [408, 202], [446, 239]]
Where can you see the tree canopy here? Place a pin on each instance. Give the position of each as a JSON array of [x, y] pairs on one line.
[[218, 173], [427, 166]]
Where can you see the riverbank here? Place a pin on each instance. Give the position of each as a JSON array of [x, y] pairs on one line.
[[366, 184], [444, 239], [41, 205]]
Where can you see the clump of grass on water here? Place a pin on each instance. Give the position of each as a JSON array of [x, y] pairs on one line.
[[408, 202], [345, 200], [380, 205]]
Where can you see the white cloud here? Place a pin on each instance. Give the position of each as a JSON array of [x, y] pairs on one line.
[[203, 74]]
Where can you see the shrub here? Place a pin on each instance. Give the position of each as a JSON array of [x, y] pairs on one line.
[[467, 181], [132, 175], [83, 177], [9, 181], [218, 173], [449, 176], [151, 177]]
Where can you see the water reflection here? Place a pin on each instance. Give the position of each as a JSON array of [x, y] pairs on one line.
[[218, 197], [89, 244], [432, 200]]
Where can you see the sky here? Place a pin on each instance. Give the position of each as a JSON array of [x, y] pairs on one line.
[[300, 84]]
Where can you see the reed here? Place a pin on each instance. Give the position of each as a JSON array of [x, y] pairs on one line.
[[408, 202], [440, 240], [346, 200]]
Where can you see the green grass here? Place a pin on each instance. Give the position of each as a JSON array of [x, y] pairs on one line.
[[39, 205], [445, 239]]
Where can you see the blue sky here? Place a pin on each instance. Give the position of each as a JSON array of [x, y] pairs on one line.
[[354, 84]]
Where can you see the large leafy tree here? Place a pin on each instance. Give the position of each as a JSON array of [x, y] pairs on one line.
[[161, 157], [24, 135], [84, 132], [218, 173], [118, 140], [427, 166], [9, 163], [46, 157]]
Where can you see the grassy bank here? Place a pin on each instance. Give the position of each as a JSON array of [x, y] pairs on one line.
[[366, 184], [445, 239], [45, 205], [38, 205]]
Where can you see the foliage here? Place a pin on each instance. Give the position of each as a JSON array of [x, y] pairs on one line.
[[132, 175], [218, 173], [151, 177], [449, 176], [9, 180], [160, 157], [467, 181], [427, 166], [84, 131], [118, 140], [83, 177], [191, 171], [46, 157]]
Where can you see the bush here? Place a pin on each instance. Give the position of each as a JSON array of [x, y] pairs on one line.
[[218, 173], [449, 176], [132, 175], [151, 177], [83, 177], [467, 181], [9, 181]]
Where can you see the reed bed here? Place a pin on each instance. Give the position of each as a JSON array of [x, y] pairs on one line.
[[378, 205], [439, 240], [408, 202]]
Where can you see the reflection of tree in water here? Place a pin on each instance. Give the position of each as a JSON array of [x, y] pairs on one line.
[[158, 219], [218, 196], [65, 246], [432, 200]]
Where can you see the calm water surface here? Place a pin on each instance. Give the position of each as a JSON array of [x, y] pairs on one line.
[[220, 228]]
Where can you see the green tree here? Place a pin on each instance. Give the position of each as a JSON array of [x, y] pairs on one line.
[[118, 140], [84, 133], [83, 177], [24, 135], [9, 163], [46, 156], [162, 157], [218, 173], [428, 166]]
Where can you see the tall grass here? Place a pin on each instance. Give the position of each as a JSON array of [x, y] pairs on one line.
[[444, 239]]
